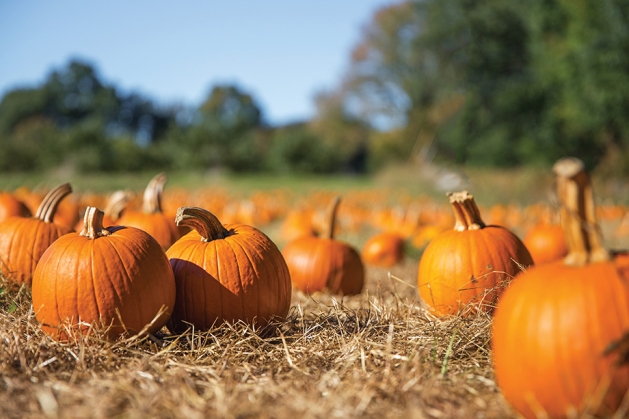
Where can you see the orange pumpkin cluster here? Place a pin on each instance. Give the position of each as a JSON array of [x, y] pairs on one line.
[[558, 297]]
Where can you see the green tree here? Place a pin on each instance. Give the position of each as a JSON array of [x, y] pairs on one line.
[[226, 133], [496, 82], [339, 130]]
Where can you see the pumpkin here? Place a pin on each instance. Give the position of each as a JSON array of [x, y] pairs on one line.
[[23, 240], [546, 243], [559, 329], [10, 206], [227, 273], [384, 249], [152, 219], [117, 278], [116, 204], [318, 263], [465, 269]]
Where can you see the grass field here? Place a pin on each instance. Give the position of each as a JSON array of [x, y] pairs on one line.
[[379, 354]]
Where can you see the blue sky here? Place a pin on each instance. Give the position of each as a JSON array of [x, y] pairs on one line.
[[281, 52]]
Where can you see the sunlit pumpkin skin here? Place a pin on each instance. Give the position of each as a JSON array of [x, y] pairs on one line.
[[23, 240], [383, 249], [324, 263], [230, 272], [465, 269], [560, 336], [551, 330], [546, 243], [103, 277], [152, 219], [10, 206]]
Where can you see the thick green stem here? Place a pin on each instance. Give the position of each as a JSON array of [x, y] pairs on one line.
[[578, 214], [48, 207], [152, 201], [203, 221], [332, 212], [466, 213], [93, 224]]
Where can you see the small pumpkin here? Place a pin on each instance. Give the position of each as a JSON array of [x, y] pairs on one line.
[[10, 206], [226, 273], [116, 204], [23, 240], [318, 263], [384, 249], [546, 242], [559, 329], [151, 218], [465, 269], [115, 277]]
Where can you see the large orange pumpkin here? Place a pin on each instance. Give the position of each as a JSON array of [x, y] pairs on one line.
[[465, 269], [226, 273], [152, 219], [318, 263], [24, 239], [559, 329], [115, 277]]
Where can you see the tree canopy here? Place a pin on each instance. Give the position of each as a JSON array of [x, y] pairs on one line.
[[486, 82]]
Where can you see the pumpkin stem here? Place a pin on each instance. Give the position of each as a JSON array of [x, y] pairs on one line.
[[578, 213], [152, 201], [203, 221], [93, 224], [48, 207], [466, 213], [332, 211], [117, 203]]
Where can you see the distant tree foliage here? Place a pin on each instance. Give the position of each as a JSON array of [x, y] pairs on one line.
[[539, 79], [485, 82]]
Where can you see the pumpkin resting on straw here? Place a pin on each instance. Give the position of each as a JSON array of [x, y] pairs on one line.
[[115, 277], [465, 269], [561, 330], [226, 273]]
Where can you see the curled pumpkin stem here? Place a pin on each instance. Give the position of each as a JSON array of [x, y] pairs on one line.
[[204, 222], [48, 207], [93, 224], [118, 202], [466, 213], [578, 213], [152, 200]]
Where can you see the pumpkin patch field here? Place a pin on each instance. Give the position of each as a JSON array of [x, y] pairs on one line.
[[164, 296]]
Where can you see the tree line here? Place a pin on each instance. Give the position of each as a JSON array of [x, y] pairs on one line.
[[474, 82]]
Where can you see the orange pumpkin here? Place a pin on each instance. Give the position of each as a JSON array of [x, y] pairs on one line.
[[24, 240], [546, 243], [465, 269], [559, 330], [152, 219], [383, 249], [10, 206], [115, 277], [318, 263], [226, 273], [116, 204]]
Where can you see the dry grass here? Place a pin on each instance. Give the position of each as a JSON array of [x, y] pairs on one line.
[[376, 355]]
